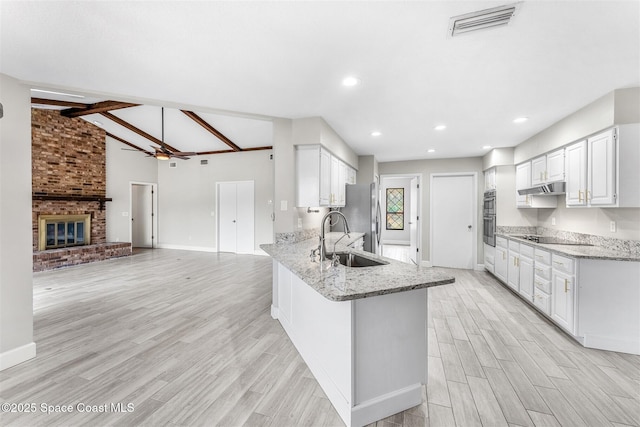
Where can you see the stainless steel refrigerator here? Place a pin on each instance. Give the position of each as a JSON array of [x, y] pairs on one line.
[[362, 210]]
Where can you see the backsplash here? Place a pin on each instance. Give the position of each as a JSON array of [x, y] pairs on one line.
[[621, 245]]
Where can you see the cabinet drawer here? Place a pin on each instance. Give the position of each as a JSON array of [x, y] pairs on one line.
[[542, 256], [543, 271], [526, 250], [514, 246], [542, 301], [563, 264], [502, 242], [542, 284]]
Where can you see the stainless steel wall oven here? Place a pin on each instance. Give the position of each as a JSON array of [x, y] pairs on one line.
[[489, 217]]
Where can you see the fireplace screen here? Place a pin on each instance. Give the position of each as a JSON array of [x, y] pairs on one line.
[[61, 231]]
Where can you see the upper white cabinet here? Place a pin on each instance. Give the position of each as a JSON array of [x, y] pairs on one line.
[[555, 166], [320, 177], [591, 171], [604, 170], [523, 180], [548, 168], [490, 179]]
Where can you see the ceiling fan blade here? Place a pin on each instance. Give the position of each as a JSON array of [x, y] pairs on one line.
[[180, 157], [184, 153]]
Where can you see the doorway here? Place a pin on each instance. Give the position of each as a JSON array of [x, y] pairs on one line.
[[453, 220], [143, 218], [236, 217], [401, 232]]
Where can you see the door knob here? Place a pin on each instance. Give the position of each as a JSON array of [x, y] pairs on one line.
[[469, 227]]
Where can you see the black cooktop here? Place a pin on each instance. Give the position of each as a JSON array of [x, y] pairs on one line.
[[548, 240]]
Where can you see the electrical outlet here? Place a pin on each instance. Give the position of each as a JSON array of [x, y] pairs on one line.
[[612, 226], [284, 205], [299, 222], [553, 220]]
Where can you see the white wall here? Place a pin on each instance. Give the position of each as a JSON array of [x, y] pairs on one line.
[[367, 169], [426, 168], [395, 237], [124, 167], [16, 252], [187, 197]]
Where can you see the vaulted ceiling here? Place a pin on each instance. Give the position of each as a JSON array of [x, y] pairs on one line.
[[239, 64]]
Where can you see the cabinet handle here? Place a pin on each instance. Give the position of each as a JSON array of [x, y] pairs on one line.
[[579, 195], [545, 175], [559, 263], [504, 255], [539, 270], [566, 284], [588, 196], [539, 256], [518, 259]]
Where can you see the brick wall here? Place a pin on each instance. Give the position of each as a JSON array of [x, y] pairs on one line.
[[68, 157]]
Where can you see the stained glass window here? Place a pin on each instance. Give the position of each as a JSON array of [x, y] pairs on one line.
[[395, 208]]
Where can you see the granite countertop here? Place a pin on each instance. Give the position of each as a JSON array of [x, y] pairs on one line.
[[348, 283], [579, 251]]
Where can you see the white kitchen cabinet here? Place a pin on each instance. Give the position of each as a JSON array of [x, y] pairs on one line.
[[523, 180], [489, 257], [563, 291], [320, 177], [500, 260], [351, 175], [576, 173], [525, 264], [513, 266], [313, 174], [548, 168], [539, 170], [555, 166], [542, 280], [490, 179], [601, 169], [338, 182]]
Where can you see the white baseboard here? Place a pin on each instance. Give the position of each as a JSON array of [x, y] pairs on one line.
[[479, 267], [275, 312], [426, 263], [383, 406], [17, 355], [629, 345], [396, 242], [186, 248]]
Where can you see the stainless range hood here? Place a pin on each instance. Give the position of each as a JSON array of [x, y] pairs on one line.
[[550, 189]]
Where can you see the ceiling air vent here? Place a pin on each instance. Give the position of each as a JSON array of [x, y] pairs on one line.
[[173, 165], [204, 162], [482, 19]]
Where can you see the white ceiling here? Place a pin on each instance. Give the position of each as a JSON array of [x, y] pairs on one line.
[[287, 59]]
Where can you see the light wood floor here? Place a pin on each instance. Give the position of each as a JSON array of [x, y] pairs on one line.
[[187, 338]]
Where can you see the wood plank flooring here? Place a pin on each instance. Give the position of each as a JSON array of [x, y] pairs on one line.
[[187, 338]]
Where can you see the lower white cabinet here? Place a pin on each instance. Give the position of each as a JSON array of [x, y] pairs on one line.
[[563, 281], [542, 280], [500, 260], [489, 258], [513, 266], [525, 264]]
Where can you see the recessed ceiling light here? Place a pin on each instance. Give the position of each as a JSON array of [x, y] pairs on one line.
[[351, 81], [486, 147], [520, 120], [431, 150], [376, 133], [72, 95], [97, 123], [440, 127]]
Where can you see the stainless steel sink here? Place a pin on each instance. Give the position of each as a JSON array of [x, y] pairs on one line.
[[354, 260]]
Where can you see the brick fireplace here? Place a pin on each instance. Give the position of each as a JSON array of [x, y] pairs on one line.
[[69, 181]]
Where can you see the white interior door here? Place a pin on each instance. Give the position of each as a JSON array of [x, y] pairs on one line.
[[413, 221], [236, 217], [453, 220], [141, 216]]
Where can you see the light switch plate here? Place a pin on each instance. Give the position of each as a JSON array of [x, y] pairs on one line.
[[612, 226], [283, 205], [553, 220]]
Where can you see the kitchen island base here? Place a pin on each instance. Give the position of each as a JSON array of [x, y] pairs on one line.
[[369, 355]]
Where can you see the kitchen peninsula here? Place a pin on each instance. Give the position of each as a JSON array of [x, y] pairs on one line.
[[361, 330]]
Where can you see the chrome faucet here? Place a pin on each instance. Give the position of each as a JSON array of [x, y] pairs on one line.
[[322, 247]]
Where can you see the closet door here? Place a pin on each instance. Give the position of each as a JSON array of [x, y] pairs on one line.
[[236, 217]]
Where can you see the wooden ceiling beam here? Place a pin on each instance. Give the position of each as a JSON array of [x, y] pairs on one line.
[[196, 118], [266, 147], [117, 138], [204, 153], [134, 129], [98, 107], [70, 104]]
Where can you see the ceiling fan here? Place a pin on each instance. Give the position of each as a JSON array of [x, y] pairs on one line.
[[164, 151]]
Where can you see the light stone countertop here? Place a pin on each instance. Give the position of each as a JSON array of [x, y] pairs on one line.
[[348, 283], [579, 251]]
